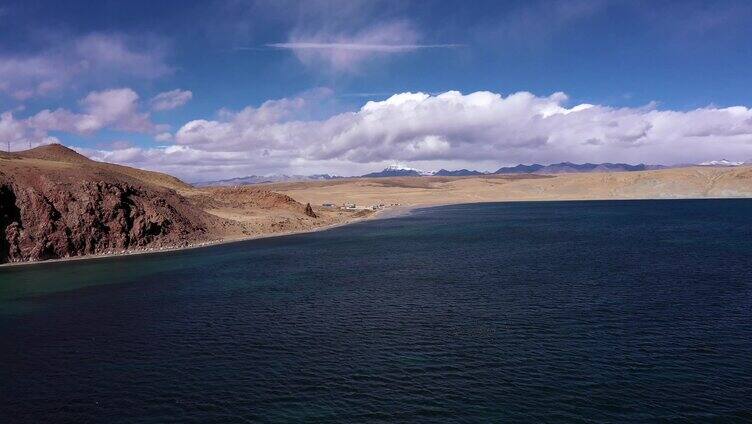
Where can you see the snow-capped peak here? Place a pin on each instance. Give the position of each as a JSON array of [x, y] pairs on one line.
[[722, 162], [399, 167]]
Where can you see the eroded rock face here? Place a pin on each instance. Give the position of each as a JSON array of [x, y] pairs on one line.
[[9, 218], [49, 219], [309, 211]]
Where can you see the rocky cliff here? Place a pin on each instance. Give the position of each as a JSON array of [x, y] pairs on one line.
[[57, 221], [56, 203], [57, 206]]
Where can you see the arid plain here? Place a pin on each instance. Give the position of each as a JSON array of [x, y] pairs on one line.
[[675, 183]]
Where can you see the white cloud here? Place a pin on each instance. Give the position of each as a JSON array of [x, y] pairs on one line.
[[171, 99], [164, 136], [108, 52], [114, 108], [188, 163], [380, 48], [90, 57], [480, 126], [11, 130], [240, 130], [480, 130], [347, 51], [17, 134]]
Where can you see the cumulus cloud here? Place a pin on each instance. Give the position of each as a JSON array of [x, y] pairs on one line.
[[476, 130], [18, 134], [347, 51], [116, 109], [171, 99], [237, 131], [480, 126], [93, 56]]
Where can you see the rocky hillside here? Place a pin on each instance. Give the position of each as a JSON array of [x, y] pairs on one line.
[[55, 203]]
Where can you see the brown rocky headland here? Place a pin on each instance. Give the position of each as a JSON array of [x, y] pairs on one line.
[[56, 203]]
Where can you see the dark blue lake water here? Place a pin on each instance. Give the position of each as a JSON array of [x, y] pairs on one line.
[[634, 311]]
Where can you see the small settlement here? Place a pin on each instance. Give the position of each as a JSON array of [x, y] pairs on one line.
[[355, 207]]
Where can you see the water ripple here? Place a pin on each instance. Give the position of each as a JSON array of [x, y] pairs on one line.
[[537, 312]]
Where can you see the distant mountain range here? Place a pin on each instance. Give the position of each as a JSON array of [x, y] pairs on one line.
[[722, 162], [458, 173], [403, 171], [569, 167], [556, 168], [260, 179], [397, 171]]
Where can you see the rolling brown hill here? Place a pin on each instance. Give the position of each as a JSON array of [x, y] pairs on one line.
[[56, 203]]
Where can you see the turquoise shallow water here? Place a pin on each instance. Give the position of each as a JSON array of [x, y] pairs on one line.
[[634, 311]]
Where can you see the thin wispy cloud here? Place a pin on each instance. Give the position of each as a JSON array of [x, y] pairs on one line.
[[386, 48], [84, 58], [171, 99], [350, 51]]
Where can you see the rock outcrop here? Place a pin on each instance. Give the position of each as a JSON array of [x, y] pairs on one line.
[[309, 211], [50, 220], [55, 203]]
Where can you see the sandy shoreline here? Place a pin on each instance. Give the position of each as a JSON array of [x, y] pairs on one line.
[[392, 212], [381, 214]]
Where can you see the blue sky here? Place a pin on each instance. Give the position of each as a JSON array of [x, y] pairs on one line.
[[258, 87]]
